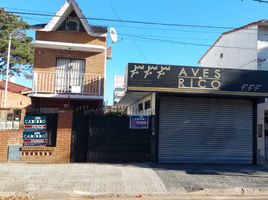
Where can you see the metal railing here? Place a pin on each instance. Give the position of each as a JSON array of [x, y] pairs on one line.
[[67, 83]]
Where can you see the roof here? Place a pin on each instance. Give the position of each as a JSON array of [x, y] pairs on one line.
[[63, 13], [257, 23], [13, 87]]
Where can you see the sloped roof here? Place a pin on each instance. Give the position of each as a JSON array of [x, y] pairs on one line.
[[63, 13], [257, 23], [13, 87]]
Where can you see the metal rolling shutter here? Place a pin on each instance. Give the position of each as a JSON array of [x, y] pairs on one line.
[[205, 130]]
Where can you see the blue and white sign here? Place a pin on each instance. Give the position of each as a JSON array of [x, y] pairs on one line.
[[139, 122], [41, 135], [35, 131]]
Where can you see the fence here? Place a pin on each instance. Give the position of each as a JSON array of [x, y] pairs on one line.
[[109, 139]]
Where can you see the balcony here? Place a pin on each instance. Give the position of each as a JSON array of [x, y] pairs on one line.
[[67, 85]]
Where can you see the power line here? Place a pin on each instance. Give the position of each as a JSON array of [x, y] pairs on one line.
[[127, 21], [188, 43], [261, 1], [133, 41]]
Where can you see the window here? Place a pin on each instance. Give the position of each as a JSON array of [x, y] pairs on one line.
[[147, 105], [72, 24], [69, 72], [140, 106], [221, 55]]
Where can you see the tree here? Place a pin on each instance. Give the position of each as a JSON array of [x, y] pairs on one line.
[[21, 57]]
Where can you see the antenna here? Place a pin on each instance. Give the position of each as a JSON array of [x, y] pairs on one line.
[[113, 35]]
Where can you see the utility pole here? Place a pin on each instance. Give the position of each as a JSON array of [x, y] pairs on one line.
[[7, 70]]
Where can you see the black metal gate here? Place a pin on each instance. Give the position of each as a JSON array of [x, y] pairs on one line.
[[107, 138]]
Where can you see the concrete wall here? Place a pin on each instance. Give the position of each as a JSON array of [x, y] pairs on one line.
[[134, 108], [231, 47], [263, 48]]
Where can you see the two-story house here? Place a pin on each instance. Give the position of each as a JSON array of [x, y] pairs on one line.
[[69, 62], [245, 47]]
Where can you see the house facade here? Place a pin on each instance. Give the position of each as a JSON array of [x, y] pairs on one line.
[[69, 62], [119, 88], [68, 75], [244, 48]]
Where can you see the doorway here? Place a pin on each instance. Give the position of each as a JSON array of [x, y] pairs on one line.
[[69, 73]]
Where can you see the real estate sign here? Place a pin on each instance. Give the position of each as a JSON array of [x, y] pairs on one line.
[[35, 131], [139, 122]]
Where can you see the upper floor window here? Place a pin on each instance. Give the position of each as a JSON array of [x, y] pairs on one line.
[[72, 24], [140, 106], [147, 104]]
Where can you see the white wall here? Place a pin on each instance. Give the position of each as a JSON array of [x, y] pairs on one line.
[[234, 57], [133, 109], [263, 48], [261, 117]]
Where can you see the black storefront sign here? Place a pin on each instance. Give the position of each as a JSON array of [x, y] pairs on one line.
[[170, 78]]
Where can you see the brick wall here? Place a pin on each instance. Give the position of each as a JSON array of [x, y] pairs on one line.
[[45, 59], [9, 137], [60, 153], [72, 37], [3, 146]]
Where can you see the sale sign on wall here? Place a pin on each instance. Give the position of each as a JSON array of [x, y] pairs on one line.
[[35, 131]]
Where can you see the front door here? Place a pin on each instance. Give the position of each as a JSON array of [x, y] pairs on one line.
[[69, 73]]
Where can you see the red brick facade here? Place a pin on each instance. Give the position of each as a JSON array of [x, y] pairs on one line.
[[59, 154]]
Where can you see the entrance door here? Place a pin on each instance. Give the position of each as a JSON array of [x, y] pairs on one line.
[[205, 130], [69, 72]]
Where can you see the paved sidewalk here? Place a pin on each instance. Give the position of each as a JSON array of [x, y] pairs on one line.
[[85, 180], [80, 178]]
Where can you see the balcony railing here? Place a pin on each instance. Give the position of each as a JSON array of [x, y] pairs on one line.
[[67, 83]]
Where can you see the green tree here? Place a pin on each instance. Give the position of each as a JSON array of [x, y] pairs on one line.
[[21, 57]]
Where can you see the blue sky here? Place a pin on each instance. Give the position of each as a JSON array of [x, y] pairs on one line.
[[131, 48]]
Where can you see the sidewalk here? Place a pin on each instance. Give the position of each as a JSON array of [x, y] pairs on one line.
[[132, 180]]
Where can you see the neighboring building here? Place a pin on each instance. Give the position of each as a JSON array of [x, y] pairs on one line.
[[244, 48], [199, 115], [11, 115], [16, 95], [119, 88], [69, 62]]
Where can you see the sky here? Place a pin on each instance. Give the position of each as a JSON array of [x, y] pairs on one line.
[[151, 43]]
